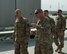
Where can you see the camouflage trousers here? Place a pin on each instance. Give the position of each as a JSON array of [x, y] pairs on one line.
[[21, 47], [52, 43], [43, 49], [59, 39]]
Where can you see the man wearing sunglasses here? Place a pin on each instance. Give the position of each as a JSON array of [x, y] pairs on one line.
[[43, 41]]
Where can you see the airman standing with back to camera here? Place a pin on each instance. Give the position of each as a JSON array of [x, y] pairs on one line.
[[52, 23], [60, 28], [21, 33], [43, 45]]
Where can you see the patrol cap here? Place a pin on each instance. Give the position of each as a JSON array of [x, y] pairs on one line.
[[38, 11], [59, 10]]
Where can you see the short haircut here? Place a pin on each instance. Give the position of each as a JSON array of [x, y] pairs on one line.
[[17, 10], [38, 11], [59, 10], [46, 11]]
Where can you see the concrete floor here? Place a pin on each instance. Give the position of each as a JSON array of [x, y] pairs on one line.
[[7, 47]]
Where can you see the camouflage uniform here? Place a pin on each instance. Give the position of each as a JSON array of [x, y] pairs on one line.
[[52, 23], [43, 40], [60, 28], [21, 35]]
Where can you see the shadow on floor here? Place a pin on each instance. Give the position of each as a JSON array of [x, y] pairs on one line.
[[6, 45]]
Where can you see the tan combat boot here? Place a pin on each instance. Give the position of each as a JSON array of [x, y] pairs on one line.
[[60, 49], [57, 49]]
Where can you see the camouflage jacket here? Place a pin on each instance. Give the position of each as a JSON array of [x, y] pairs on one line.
[[43, 31], [52, 23], [22, 29], [60, 23]]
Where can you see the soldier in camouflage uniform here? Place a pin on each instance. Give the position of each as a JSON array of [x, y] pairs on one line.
[[52, 23], [60, 28], [43, 40], [21, 33]]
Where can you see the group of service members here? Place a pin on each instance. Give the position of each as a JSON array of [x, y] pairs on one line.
[[48, 31]]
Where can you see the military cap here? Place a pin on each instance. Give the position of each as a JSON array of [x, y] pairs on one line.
[[38, 11]]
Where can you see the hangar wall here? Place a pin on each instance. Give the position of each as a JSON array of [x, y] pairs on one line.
[[7, 10], [7, 14]]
